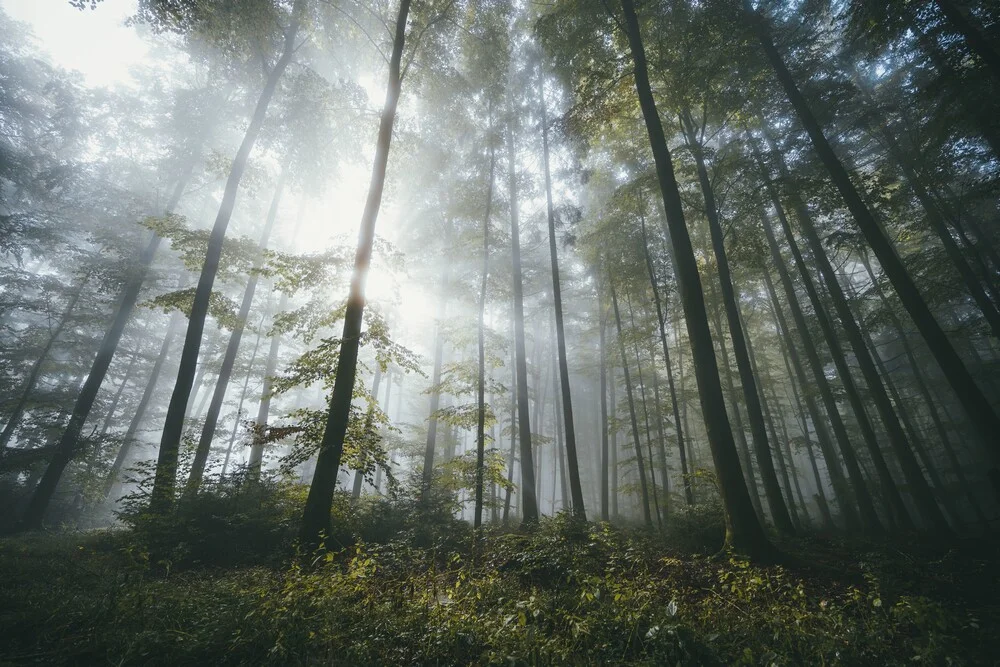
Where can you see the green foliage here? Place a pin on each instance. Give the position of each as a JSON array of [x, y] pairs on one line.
[[404, 585], [221, 307]]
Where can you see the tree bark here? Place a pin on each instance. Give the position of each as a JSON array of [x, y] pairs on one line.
[[643, 491], [233, 346], [316, 517], [481, 389], [748, 383], [576, 489], [166, 465], [529, 501], [977, 407], [675, 408], [743, 530]]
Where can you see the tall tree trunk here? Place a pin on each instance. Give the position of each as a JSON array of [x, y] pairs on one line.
[[643, 491], [662, 449], [256, 459], [977, 407], [576, 488], [645, 411], [934, 216], [869, 519], [14, 420], [481, 389], [743, 530], [772, 432], [790, 357], [128, 440], [661, 322], [243, 396], [929, 401], [751, 398], [613, 447], [316, 517], [233, 346], [513, 435], [166, 465], [605, 506], [734, 400], [126, 376], [435, 402], [921, 492], [529, 502]]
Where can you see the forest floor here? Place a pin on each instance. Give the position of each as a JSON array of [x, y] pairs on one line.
[[230, 591]]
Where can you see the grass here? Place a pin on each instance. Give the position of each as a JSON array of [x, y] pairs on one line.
[[402, 588]]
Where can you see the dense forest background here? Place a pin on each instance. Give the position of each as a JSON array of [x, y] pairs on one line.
[[670, 333]]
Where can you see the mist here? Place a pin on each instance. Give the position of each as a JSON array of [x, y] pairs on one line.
[[536, 316]]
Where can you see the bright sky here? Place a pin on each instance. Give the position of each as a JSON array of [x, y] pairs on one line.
[[96, 43]]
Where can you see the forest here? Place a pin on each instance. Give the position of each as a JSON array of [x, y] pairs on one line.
[[499, 332]]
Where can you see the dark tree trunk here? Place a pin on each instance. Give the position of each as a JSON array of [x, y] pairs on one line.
[[529, 502], [243, 396], [140, 410], [605, 506], [645, 412], [233, 346], [743, 530], [643, 491], [751, 398], [613, 448], [316, 517], [481, 389], [977, 407], [661, 322], [741, 438], [929, 401], [166, 465], [576, 489], [869, 518]]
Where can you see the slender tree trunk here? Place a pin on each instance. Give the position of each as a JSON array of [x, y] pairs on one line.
[[977, 407], [743, 530], [529, 502], [513, 435], [925, 393], [661, 322], [613, 447], [790, 357], [643, 492], [576, 488], [741, 438], [751, 398], [645, 411], [921, 492], [128, 439], [118, 394], [166, 465], [233, 346], [243, 396], [264, 408], [481, 389], [14, 420], [772, 432], [605, 506], [316, 517], [869, 518]]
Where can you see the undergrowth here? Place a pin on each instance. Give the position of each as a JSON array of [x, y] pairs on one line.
[[401, 584]]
